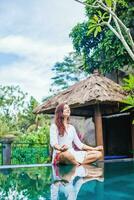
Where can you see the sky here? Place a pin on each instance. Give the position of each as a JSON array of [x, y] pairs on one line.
[[34, 35]]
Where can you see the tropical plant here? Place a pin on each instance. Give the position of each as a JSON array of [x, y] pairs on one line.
[[31, 143], [12, 100], [105, 51], [106, 15], [129, 88], [27, 118], [67, 72]]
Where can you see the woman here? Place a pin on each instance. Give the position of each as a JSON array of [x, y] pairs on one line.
[[63, 134]]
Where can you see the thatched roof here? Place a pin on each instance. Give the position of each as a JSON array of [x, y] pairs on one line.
[[95, 89]]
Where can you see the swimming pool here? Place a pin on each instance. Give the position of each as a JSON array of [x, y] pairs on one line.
[[111, 181]]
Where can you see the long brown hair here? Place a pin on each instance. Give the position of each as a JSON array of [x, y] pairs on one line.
[[59, 118]]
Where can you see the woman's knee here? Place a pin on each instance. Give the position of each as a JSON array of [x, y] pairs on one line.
[[95, 155], [67, 158], [99, 155], [66, 155]]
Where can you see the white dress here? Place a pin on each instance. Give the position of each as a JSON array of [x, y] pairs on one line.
[[69, 137]]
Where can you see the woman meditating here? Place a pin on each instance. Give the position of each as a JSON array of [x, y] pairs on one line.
[[62, 137]]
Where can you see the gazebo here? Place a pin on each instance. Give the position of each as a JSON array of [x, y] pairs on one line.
[[96, 96]]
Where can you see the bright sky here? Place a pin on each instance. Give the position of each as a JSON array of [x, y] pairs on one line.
[[33, 36]]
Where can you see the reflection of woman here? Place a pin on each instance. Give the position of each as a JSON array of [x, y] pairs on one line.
[[68, 181], [63, 134]]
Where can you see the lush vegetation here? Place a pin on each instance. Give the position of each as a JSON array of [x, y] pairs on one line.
[[96, 45], [67, 72], [31, 131], [108, 13], [100, 47], [129, 88]]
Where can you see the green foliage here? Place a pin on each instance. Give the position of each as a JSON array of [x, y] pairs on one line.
[[94, 23], [85, 45], [32, 147], [30, 155], [27, 118], [4, 127], [31, 131], [12, 100], [98, 17], [8, 126], [104, 51], [129, 87], [108, 3], [130, 101], [67, 72], [12, 103], [41, 136], [129, 84], [16, 110]]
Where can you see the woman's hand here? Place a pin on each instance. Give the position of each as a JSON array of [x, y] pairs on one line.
[[98, 148], [64, 148]]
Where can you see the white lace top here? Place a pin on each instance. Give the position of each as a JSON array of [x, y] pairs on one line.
[[69, 137]]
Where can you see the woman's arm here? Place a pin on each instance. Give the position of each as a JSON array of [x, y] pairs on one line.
[[83, 146], [86, 148], [98, 148], [79, 144]]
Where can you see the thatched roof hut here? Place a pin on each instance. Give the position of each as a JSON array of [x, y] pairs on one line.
[[95, 96], [99, 97], [96, 89]]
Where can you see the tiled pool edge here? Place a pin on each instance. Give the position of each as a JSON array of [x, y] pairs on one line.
[[117, 160], [22, 166], [49, 164]]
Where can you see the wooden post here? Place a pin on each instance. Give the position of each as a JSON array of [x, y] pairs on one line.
[[98, 127], [6, 149]]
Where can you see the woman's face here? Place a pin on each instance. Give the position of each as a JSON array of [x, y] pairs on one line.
[[66, 111]]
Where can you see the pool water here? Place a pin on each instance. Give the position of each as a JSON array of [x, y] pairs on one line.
[[107, 181]]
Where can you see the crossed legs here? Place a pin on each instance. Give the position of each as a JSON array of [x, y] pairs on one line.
[[91, 156], [67, 158]]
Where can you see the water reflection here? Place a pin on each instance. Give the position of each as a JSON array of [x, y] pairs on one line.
[[71, 182], [25, 183], [55, 183]]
